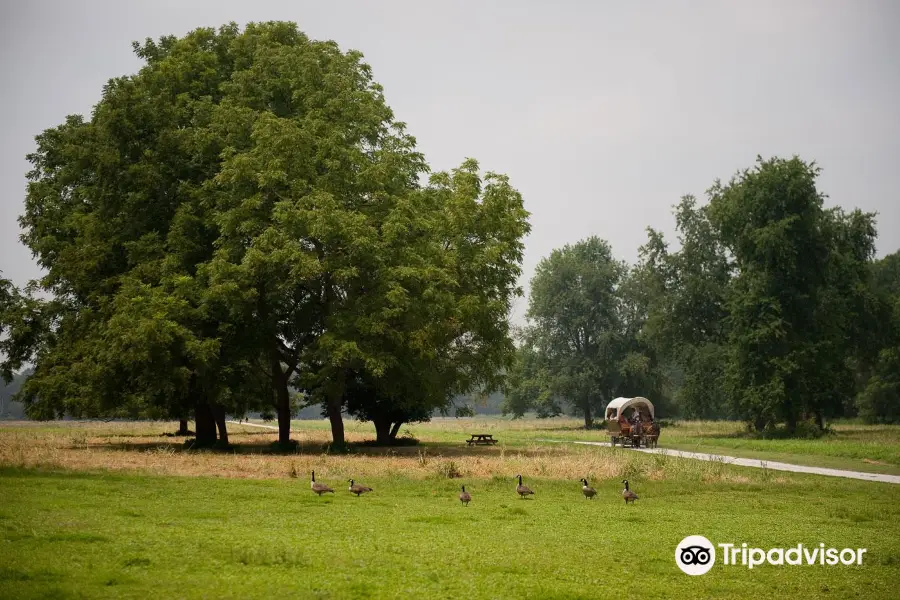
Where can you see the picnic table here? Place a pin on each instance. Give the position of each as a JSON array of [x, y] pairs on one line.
[[481, 439]]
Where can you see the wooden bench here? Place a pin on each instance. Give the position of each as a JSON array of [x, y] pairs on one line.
[[479, 439]]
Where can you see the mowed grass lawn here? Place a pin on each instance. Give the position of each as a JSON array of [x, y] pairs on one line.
[[82, 535], [116, 510]]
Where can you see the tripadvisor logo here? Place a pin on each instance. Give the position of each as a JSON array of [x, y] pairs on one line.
[[696, 555]]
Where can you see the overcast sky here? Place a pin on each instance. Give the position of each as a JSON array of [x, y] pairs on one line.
[[602, 113]]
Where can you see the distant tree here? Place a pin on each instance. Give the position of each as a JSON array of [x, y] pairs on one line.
[[6, 292], [686, 322], [795, 299], [886, 275], [9, 408], [528, 384], [479, 403], [580, 327], [645, 370], [7, 301], [879, 399]]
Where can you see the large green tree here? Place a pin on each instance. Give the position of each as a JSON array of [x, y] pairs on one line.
[[428, 319], [145, 206], [798, 296], [118, 214], [244, 215], [314, 168]]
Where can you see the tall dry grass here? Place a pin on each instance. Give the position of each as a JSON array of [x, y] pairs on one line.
[[144, 447]]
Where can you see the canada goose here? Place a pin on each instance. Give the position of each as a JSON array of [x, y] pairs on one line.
[[357, 489], [464, 496], [318, 488], [628, 494], [523, 490], [587, 490]]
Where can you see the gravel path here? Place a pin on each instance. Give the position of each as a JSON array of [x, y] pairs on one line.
[[753, 462]]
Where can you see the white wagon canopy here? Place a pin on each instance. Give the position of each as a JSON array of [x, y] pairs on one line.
[[619, 406]]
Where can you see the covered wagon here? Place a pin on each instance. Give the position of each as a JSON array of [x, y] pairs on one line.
[[632, 422]]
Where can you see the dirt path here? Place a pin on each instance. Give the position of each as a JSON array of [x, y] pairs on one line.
[[254, 425], [756, 463]]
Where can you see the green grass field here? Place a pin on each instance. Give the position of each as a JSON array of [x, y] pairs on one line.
[[116, 511]]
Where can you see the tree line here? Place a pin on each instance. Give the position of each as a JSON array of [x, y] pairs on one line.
[[772, 310], [243, 225]]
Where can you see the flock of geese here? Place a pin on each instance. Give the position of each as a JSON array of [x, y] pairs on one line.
[[465, 497], [321, 488], [586, 489]]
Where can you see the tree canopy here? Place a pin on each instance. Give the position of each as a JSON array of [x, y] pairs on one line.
[[768, 304], [581, 346], [772, 309], [244, 217]]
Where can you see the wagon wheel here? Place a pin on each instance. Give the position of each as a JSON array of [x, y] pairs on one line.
[[612, 441]]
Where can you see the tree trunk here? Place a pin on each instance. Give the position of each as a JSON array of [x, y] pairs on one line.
[[335, 403], [183, 427], [283, 409], [588, 418], [206, 424], [759, 423], [382, 430], [820, 420], [395, 429], [218, 412], [280, 381], [791, 422]]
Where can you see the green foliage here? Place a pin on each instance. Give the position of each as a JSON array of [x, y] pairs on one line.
[[886, 275], [244, 216], [582, 345], [686, 308], [797, 295], [768, 310], [9, 409], [879, 399], [528, 385], [448, 281]]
